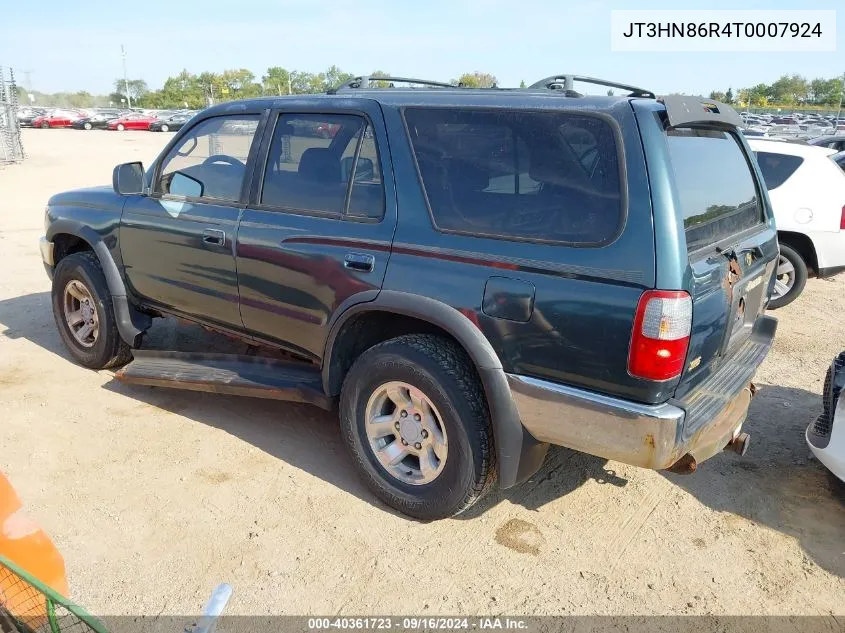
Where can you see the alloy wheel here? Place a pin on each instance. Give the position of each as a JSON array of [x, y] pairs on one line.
[[406, 433], [784, 277], [80, 313]]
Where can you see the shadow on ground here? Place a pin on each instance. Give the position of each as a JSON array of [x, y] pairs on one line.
[[775, 485], [778, 483]]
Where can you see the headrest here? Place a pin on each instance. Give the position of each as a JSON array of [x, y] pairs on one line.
[[320, 165], [467, 176]]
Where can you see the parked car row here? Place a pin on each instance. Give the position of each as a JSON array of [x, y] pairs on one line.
[[105, 119], [806, 185], [795, 126]]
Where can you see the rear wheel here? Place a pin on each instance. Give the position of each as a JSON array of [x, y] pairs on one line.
[[87, 125], [44, 125], [790, 278], [84, 313], [120, 127], [414, 417], [165, 128]]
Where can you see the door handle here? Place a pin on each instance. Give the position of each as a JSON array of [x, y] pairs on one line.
[[359, 262], [214, 236]]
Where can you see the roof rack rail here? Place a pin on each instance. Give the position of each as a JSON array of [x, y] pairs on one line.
[[363, 82], [565, 82]]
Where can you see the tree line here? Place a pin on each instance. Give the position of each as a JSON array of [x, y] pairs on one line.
[[189, 90], [194, 91], [788, 90]]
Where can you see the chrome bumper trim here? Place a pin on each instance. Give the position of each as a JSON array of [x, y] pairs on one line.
[[650, 436], [46, 248]]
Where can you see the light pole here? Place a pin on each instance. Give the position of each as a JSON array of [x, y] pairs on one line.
[[841, 95], [125, 81]]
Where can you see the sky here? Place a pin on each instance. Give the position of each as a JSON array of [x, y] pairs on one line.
[[69, 46]]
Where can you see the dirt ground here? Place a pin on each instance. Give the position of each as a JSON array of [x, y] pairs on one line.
[[155, 496]]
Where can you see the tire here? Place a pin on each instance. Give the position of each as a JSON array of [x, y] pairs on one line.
[[164, 128], [45, 125], [87, 125], [439, 369], [795, 279], [107, 348], [120, 127]]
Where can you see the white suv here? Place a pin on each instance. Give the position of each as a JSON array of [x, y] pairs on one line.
[[807, 190]]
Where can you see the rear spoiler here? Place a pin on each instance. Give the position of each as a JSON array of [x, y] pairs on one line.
[[685, 110]]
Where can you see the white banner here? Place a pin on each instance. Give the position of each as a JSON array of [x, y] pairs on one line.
[[723, 31]]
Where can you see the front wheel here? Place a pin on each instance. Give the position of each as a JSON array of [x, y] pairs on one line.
[[87, 125], [790, 277], [84, 313], [414, 417], [44, 125], [165, 128]]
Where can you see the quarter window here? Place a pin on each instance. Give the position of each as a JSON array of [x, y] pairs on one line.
[[546, 176], [210, 161], [777, 168], [325, 164]]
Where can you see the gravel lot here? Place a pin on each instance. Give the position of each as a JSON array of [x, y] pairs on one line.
[[155, 496]]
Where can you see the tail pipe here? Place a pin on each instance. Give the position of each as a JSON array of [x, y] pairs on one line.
[[739, 444]]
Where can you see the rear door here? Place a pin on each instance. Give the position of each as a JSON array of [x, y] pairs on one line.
[[730, 242], [536, 224], [317, 233]]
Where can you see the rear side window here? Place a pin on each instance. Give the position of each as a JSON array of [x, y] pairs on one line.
[[542, 176], [715, 185], [312, 159], [777, 168]]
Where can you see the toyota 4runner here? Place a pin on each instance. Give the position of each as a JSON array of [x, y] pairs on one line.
[[471, 275]]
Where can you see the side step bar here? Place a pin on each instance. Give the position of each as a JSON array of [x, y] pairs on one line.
[[252, 376]]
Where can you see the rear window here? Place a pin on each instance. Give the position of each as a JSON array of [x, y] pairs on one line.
[[715, 185], [777, 168], [543, 176]]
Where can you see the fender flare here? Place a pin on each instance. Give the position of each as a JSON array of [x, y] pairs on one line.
[[519, 455], [130, 322]]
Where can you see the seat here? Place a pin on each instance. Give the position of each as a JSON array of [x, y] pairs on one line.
[[319, 164]]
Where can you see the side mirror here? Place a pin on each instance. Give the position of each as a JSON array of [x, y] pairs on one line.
[[364, 171], [128, 178], [184, 185]]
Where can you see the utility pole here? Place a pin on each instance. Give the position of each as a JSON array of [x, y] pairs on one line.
[[289, 90], [841, 94], [125, 81]]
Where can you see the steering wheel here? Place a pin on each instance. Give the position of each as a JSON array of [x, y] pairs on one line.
[[223, 158]]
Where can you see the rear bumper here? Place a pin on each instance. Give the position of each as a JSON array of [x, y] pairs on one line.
[[826, 437], [650, 436], [833, 454]]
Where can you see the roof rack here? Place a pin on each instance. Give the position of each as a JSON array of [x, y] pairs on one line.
[[364, 82], [565, 82]]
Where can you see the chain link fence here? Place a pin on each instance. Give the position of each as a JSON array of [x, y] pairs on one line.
[[11, 145]]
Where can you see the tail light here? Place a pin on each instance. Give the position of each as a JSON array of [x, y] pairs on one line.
[[842, 220], [660, 338]]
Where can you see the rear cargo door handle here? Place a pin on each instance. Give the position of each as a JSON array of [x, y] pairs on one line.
[[215, 237], [357, 261]]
